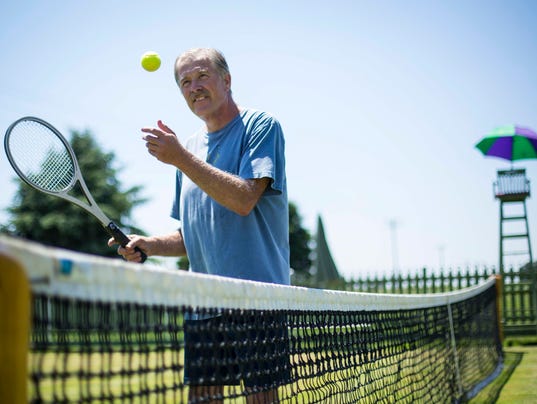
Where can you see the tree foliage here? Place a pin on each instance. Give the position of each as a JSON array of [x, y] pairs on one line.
[[299, 242], [54, 221]]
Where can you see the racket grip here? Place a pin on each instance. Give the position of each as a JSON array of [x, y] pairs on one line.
[[121, 238]]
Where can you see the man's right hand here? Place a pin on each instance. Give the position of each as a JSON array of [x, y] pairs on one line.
[[128, 252]]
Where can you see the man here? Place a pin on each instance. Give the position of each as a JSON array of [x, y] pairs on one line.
[[231, 192]]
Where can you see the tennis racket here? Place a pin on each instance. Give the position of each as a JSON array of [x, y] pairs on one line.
[[45, 160]]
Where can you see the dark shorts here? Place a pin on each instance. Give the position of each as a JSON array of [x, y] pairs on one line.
[[226, 349]]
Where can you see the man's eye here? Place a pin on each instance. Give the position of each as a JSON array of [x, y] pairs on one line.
[[185, 83]]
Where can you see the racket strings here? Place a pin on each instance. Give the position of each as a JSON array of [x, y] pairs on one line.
[[41, 156]]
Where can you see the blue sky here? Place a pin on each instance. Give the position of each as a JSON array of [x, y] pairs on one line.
[[381, 102]]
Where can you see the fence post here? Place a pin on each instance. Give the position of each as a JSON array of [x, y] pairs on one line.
[[450, 281], [499, 295], [533, 271], [501, 272], [476, 276], [425, 283]]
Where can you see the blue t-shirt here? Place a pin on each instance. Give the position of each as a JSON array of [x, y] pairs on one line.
[[219, 241]]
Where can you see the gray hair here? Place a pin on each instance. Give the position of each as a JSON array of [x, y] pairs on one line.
[[213, 55]]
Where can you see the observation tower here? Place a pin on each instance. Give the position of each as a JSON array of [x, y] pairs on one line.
[[512, 188]]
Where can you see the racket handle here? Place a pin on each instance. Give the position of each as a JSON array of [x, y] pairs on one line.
[[121, 238]]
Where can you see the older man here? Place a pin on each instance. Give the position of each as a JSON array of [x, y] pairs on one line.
[[231, 192]]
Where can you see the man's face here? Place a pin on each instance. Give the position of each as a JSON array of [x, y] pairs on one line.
[[204, 89]]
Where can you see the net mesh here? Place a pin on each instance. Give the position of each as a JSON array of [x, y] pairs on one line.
[[40, 156], [108, 331]]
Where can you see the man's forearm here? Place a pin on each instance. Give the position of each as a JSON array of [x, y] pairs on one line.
[[235, 193], [168, 245]]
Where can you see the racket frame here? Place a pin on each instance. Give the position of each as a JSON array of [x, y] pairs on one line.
[[91, 206]]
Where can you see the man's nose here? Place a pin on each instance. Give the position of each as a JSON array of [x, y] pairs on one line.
[[195, 86]]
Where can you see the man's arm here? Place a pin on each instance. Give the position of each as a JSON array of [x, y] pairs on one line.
[[237, 194], [169, 245]]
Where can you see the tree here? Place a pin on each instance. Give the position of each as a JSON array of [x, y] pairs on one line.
[[299, 242], [183, 263], [54, 221]]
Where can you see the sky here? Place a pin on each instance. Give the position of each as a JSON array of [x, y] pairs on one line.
[[381, 102]]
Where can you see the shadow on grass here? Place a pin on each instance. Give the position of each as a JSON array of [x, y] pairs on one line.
[[491, 393]]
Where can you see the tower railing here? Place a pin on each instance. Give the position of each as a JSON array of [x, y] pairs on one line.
[[512, 185]]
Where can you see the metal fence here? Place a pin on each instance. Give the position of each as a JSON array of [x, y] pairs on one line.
[[519, 285]]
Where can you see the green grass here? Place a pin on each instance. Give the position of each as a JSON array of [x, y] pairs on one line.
[[524, 340], [521, 386], [81, 374], [516, 382], [402, 376]]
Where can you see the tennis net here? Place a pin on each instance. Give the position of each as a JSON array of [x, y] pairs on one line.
[[104, 330]]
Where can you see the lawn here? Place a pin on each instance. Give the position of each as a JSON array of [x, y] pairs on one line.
[[516, 384], [400, 377], [521, 386]]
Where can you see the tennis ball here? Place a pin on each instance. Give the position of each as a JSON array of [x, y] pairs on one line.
[[150, 61]]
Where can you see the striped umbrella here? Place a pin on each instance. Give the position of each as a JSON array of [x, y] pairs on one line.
[[510, 142]]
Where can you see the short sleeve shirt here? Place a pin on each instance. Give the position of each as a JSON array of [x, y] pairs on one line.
[[219, 241]]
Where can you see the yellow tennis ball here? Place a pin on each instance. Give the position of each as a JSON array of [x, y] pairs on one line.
[[150, 61]]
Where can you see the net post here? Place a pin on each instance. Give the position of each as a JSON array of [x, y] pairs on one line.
[[499, 294], [14, 330], [455, 353]]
